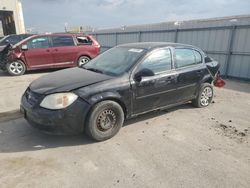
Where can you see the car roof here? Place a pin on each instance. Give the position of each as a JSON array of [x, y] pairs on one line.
[[65, 34], [59, 34], [152, 45], [51, 34]]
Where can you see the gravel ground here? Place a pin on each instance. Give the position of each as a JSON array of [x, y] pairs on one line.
[[180, 147]]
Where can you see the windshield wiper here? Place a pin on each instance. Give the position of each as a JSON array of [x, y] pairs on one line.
[[94, 70]]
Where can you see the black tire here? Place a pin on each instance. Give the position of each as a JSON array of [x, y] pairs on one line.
[[16, 68], [104, 121], [82, 60], [203, 100]]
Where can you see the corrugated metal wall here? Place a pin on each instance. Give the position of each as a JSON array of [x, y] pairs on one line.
[[225, 39]]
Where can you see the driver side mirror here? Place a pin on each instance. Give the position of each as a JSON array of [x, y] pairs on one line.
[[143, 73], [24, 47], [208, 59]]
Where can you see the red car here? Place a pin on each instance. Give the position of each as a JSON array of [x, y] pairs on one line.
[[51, 51]]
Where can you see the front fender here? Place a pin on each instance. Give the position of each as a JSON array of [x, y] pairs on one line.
[[104, 96], [114, 96]]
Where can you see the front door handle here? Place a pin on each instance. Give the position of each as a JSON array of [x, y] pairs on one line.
[[168, 81], [199, 71], [145, 82], [170, 77]]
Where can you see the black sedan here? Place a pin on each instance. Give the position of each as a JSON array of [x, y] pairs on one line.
[[121, 83]]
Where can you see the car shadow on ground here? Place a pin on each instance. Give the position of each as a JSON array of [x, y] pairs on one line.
[[18, 136], [157, 113]]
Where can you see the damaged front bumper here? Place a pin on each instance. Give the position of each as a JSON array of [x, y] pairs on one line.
[[64, 121], [3, 62], [4, 53]]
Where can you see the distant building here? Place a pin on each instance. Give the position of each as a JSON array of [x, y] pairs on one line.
[[11, 17]]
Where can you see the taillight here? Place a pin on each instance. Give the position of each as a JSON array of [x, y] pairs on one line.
[[219, 82]]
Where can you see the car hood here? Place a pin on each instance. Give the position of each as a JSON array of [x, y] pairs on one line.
[[66, 80]]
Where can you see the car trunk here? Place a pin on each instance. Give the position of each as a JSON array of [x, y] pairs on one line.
[[212, 65]]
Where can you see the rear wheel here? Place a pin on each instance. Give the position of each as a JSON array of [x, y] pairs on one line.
[[83, 60], [16, 68], [205, 96], [105, 120]]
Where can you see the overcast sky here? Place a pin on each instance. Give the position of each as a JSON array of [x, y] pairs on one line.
[[51, 15]]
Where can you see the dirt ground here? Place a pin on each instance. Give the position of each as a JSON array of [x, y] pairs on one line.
[[180, 147], [12, 88]]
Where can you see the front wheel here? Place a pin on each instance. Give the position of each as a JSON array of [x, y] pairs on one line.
[[205, 96], [105, 120], [16, 68]]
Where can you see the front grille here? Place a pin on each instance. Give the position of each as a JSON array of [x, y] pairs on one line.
[[32, 97]]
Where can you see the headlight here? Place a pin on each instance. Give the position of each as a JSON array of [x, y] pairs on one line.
[[58, 100]]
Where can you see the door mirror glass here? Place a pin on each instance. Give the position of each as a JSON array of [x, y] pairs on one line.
[[24, 47], [143, 73]]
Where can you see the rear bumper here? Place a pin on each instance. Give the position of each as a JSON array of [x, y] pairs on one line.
[[65, 121]]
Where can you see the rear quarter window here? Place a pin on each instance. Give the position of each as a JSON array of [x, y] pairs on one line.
[[83, 40]]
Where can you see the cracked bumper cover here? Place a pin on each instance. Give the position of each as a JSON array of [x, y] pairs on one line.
[[69, 120]]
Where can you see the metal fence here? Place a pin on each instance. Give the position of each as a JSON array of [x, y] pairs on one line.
[[229, 44]]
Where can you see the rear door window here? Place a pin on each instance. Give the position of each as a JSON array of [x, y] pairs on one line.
[[198, 57], [186, 57], [39, 42], [60, 41]]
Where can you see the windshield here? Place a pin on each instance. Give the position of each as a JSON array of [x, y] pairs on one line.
[[3, 40], [24, 40], [115, 61]]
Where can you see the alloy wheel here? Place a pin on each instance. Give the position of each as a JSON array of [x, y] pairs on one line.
[[16, 67], [206, 96], [82, 61]]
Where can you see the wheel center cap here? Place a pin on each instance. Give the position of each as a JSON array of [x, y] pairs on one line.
[[106, 123]]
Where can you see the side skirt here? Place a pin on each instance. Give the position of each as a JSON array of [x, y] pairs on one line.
[[161, 108]]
